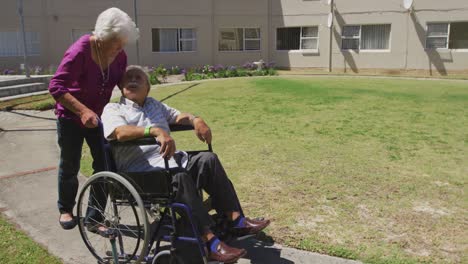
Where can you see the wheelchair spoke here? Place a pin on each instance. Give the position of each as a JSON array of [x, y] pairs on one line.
[[112, 202]]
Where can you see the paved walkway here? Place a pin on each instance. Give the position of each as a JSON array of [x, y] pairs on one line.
[[28, 193]]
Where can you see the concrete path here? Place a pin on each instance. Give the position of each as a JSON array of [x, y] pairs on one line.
[[28, 194]]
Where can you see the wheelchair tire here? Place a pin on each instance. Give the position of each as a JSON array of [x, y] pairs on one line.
[[123, 213], [163, 257]]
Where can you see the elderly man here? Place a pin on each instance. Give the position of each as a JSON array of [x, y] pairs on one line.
[[137, 116]]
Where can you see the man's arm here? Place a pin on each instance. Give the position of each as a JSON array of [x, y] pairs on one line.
[[202, 130], [127, 132]]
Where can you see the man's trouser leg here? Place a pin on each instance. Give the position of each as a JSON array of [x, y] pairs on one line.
[[209, 174], [187, 193]]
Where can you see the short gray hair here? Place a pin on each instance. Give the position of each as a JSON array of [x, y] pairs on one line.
[[115, 22], [140, 69]]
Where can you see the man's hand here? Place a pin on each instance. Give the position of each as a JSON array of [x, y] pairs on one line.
[[168, 146], [89, 119], [202, 130]]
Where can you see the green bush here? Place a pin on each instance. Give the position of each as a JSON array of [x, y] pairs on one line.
[[220, 71]]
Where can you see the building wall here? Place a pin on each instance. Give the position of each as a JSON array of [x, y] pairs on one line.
[[55, 20]]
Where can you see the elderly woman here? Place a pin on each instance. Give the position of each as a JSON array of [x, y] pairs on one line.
[[82, 86]]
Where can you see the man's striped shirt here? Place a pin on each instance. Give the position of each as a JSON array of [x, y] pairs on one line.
[[153, 113]]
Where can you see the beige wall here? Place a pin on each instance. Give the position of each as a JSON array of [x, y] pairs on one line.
[[55, 19]]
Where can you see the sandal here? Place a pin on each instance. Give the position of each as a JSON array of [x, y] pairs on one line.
[[67, 225]]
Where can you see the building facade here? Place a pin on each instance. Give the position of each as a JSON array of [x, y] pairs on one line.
[[366, 34]]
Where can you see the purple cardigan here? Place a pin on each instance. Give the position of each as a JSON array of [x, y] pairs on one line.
[[80, 76]]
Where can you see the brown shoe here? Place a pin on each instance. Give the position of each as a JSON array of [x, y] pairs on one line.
[[251, 227], [226, 253]]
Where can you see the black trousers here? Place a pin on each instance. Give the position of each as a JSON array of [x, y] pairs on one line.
[[204, 170], [70, 139]]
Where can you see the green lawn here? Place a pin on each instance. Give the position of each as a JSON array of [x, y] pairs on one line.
[[35, 102], [17, 248], [370, 169]]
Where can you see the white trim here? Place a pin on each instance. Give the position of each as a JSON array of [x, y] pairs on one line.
[[244, 39], [360, 38], [446, 36], [375, 51], [300, 50], [179, 40], [447, 48]]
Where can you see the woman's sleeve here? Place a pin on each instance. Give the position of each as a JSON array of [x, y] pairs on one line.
[[69, 70]]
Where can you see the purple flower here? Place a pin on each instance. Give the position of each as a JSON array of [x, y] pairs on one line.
[[249, 66], [219, 67], [184, 71], [232, 68]]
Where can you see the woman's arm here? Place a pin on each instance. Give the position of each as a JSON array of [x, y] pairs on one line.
[[69, 70], [88, 118]]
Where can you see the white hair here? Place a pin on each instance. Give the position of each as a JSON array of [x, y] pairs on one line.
[[115, 22]]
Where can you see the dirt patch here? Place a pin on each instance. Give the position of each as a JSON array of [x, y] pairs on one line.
[[426, 208]]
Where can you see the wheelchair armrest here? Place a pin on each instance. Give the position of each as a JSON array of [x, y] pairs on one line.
[[150, 140], [174, 128], [135, 142]]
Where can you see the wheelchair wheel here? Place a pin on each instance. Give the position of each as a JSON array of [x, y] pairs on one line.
[[107, 199], [163, 257]]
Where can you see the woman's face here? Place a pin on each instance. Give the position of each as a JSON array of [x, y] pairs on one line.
[[112, 47]]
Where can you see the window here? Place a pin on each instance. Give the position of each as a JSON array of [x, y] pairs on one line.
[[174, 39], [11, 44], [239, 39], [447, 35], [297, 38], [366, 37]]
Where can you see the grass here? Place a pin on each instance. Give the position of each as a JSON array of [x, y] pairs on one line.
[[461, 75], [17, 248], [36, 102], [368, 169]]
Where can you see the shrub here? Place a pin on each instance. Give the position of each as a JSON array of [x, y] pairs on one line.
[[220, 71]]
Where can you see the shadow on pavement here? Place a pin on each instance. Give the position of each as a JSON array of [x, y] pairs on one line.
[[259, 252]]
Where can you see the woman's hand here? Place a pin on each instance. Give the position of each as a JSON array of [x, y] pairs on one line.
[[89, 119]]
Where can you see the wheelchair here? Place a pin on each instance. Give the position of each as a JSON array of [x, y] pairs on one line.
[[142, 220]]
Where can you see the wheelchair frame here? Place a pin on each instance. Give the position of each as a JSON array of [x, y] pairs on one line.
[[121, 190]]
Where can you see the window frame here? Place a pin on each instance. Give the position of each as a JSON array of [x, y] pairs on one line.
[[360, 38], [179, 40], [244, 39], [447, 48], [19, 44], [300, 50]]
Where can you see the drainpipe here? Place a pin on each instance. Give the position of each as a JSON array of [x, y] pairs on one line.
[[214, 40], [269, 29], [135, 14], [25, 52], [332, 10]]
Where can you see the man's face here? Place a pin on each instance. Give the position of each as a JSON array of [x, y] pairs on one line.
[[135, 86]]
